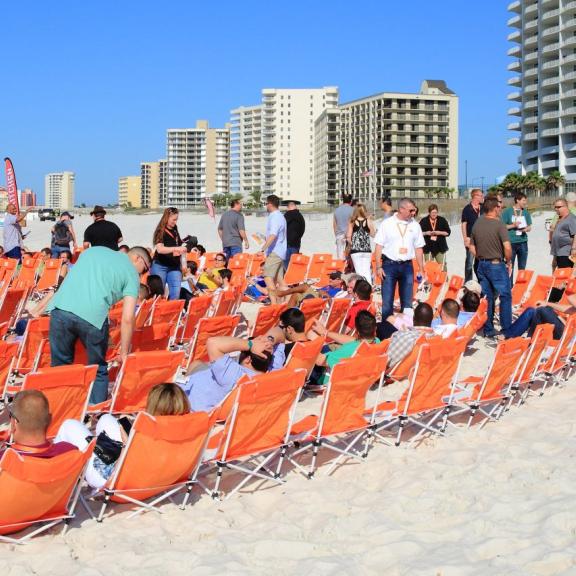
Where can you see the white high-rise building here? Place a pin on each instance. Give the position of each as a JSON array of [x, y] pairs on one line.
[[59, 189], [544, 82], [273, 144], [197, 164]]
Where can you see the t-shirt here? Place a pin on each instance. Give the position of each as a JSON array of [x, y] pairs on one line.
[[276, 225], [100, 278], [295, 228], [231, 222], [470, 215], [103, 233], [344, 351], [353, 312], [46, 450], [342, 216], [170, 238], [399, 239], [563, 235], [488, 236], [510, 216], [12, 232]]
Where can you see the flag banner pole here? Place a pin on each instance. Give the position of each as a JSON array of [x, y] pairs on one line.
[[11, 188]]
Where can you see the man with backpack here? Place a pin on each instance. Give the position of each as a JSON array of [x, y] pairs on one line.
[[62, 235]]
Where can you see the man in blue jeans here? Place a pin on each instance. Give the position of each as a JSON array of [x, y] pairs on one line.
[[79, 310], [232, 230], [398, 240], [490, 245]]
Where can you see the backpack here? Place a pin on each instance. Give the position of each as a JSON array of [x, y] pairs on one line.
[[361, 239], [62, 236]]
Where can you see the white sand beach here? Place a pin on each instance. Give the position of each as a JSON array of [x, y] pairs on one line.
[[501, 500]]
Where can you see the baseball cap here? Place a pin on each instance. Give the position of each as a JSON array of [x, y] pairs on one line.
[[473, 286], [336, 275]]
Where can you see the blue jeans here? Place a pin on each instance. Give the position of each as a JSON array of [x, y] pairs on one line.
[[471, 265], [400, 273], [230, 251], [495, 281], [170, 276], [289, 251], [15, 253], [57, 250], [65, 329], [520, 251], [532, 317]]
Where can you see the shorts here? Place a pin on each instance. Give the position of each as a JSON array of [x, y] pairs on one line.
[[274, 267]]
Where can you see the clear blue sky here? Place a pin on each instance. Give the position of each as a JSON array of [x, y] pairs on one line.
[[92, 86]]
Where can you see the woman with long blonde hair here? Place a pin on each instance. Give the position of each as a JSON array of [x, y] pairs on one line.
[[360, 230], [167, 251]]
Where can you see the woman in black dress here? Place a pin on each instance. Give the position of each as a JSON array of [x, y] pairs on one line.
[[435, 230]]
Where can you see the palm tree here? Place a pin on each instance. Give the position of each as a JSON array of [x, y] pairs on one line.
[[256, 196], [554, 181]]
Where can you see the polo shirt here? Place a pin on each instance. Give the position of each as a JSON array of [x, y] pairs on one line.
[[100, 278], [276, 225], [399, 239]]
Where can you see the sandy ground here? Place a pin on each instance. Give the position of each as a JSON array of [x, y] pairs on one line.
[[501, 500]]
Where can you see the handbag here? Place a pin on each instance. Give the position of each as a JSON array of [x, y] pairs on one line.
[[106, 449]]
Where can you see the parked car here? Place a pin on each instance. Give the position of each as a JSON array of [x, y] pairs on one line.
[[47, 214]]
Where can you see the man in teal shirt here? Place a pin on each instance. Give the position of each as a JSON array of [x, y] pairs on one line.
[[519, 222], [79, 310]]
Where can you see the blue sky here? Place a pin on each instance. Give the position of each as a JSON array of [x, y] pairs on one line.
[[92, 86]]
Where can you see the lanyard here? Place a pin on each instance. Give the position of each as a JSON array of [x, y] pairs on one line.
[[433, 226], [171, 235], [402, 232]]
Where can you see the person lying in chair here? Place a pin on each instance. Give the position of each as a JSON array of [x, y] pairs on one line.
[[207, 388], [29, 420], [290, 330], [448, 324]]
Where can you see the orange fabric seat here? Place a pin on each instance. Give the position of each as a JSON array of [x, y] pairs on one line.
[[197, 308], [312, 308], [267, 318], [206, 328], [297, 269]]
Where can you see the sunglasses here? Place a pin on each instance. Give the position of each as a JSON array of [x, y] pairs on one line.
[[282, 327], [558, 207], [146, 267]]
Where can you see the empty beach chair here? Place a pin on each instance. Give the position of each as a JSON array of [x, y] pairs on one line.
[[521, 286], [317, 263], [144, 313], [12, 304], [337, 313], [454, 286], [153, 337], [37, 330], [224, 303], [297, 269], [169, 311], [197, 308], [332, 265]]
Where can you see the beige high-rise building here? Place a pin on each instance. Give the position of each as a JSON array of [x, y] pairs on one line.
[[59, 190], [150, 184], [327, 140], [395, 144], [544, 84], [130, 192], [273, 143], [197, 164]]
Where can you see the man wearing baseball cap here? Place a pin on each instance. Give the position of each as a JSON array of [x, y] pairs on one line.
[[102, 232]]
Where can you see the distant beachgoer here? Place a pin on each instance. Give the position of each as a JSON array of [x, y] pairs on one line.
[[168, 249], [13, 232], [342, 216], [102, 232], [232, 230], [435, 230], [470, 214], [63, 235], [295, 228], [360, 230], [79, 310]]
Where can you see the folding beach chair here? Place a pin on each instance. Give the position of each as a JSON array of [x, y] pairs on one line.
[[169, 311], [312, 308], [317, 263], [8, 268], [332, 265], [208, 327], [153, 338], [521, 286], [337, 313], [160, 459], [258, 427], [26, 277], [37, 330], [304, 355], [12, 304], [256, 263], [139, 373], [224, 303], [488, 395], [476, 323], [144, 313], [43, 357], [267, 318], [374, 349], [570, 290], [539, 292], [429, 393], [197, 308], [402, 369], [342, 413], [297, 269], [454, 286], [239, 266], [39, 491], [8, 356], [50, 275], [67, 389], [436, 281]]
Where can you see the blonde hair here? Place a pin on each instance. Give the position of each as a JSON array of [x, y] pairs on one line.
[[359, 211], [167, 400]]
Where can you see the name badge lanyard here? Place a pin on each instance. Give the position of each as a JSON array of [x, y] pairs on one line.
[[402, 250], [433, 226]]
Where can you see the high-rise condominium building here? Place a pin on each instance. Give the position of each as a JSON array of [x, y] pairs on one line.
[[390, 145], [273, 143], [130, 192], [59, 189], [27, 198], [150, 184], [197, 164], [544, 99]]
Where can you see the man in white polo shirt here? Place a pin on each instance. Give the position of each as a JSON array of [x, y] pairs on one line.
[[399, 239]]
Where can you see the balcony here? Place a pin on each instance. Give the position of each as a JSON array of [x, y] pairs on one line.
[[550, 115], [550, 31], [514, 141], [514, 126], [515, 22], [531, 40], [531, 136], [569, 59], [514, 96], [550, 64], [515, 81], [514, 66], [529, 88], [531, 72], [570, 128], [569, 94], [569, 76], [553, 81], [569, 42], [569, 24], [515, 6], [514, 51], [550, 14], [552, 47], [515, 36], [531, 56], [551, 98], [531, 8], [550, 132], [516, 111], [530, 120], [570, 111]]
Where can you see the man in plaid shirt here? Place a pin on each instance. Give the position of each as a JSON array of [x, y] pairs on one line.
[[402, 342]]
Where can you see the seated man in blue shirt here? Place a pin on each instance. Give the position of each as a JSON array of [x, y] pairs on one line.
[[207, 388]]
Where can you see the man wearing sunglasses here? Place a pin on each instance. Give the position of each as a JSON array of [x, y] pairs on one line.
[[79, 310], [398, 241]]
